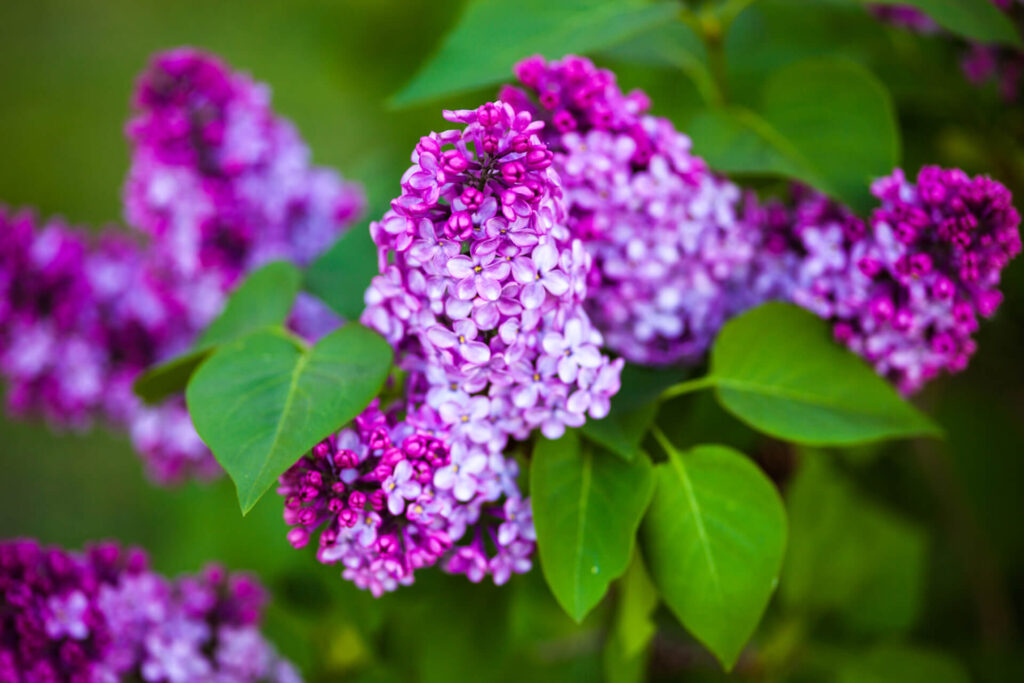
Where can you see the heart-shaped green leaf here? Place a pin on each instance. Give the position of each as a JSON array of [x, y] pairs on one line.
[[714, 538], [778, 368], [492, 35], [587, 505], [262, 401], [262, 300]]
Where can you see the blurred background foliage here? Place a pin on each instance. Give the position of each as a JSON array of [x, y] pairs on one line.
[[905, 561]]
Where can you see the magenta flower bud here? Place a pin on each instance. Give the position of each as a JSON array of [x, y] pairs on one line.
[[512, 172], [392, 456], [338, 488], [307, 516], [357, 500], [988, 302], [377, 499], [335, 505], [539, 158], [314, 479], [943, 288], [328, 537], [459, 226], [471, 197], [881, 308], [428, 145], [564, 121], [381, 472], [548, 99], [489, 144], [843, 332], [387, 544], [521, 144], [453, 162], [869, 266], [308, 493], [321, 449], [920, 265], [298, 537], [487, 115], [903, 320], [348, 517], [346, 460]]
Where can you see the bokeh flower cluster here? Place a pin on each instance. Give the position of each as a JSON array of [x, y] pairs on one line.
[[103, 616], [218, 185], [981, 63]]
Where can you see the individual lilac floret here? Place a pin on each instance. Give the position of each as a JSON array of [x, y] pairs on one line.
[[104, 616], [394, 494], [219, 180], [663, 231], [481, 285], [905, 291]]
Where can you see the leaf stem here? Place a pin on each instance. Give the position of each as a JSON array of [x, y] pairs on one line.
[[663, 441], [687, 387]]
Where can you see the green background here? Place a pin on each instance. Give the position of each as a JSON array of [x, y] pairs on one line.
[[941, 565]]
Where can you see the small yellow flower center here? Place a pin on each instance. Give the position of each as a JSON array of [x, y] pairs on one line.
[[465, 418], [536, 377], [477, 269], [462, 339]]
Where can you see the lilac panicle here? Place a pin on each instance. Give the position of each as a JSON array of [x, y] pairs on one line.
[[220, 181], [218, 185], [103, 615], [401, 491], [905, 290], [663, 231], [482, 285]]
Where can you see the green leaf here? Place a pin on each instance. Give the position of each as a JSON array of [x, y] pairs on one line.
[[262, 300], [850, 557], [977, 20], [340, 276], [262, 401], [714, 538], [638, 598], [778, 369], [587, 505], [903, 663], [492, 35], [827, 122]]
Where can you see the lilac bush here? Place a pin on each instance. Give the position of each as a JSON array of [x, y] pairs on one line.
[[668, 243], [103, 615]]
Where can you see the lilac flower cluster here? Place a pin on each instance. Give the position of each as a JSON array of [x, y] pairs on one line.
[[396, 493], [219, 184], [668, 247], [104, 616], [218, 180], [981, 63], [906, 290], [482, 285]]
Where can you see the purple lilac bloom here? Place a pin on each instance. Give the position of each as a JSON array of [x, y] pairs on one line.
[[482, 285], [103, 615], [219, 185], [906, 290], [219, 181], [396, 493], [663, 231]]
